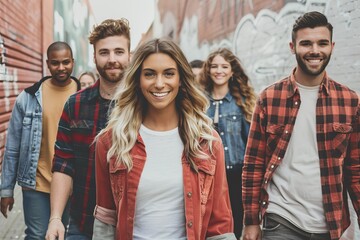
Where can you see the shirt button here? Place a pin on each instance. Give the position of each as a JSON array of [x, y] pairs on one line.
[[279, 158], [234, 117], [225, 148], [296, 103], [190, 224], [189, 194], [220, 116], [221, 102], [263, 203], [272, 166], [286, 131], [266, 181], [214, 103], [222, 133]]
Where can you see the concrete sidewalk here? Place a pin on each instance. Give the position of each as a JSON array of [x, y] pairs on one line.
[[14, 226]]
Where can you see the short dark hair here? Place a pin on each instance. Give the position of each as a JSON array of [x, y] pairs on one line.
[[196, 63], [56, 46], [311, 20]]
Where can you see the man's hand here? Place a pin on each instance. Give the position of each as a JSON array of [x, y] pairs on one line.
[[56, 230], [6, 202], [252, 232]]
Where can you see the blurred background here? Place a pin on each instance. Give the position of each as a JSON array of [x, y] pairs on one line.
[[257, 31]]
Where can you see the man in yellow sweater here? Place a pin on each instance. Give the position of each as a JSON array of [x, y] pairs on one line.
[[31, 138]]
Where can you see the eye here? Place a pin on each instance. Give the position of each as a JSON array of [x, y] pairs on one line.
[[149, 75], [103, 53], [169, 74], [119, 52]]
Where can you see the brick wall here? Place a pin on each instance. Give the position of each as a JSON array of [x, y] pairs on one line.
[[25, 32]]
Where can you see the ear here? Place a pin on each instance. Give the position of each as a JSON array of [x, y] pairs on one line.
[[292, 47]]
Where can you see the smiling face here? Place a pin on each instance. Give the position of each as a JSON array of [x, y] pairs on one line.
[[111, 57], [60, 64], [160, 82], [220, 72], [312, 48]]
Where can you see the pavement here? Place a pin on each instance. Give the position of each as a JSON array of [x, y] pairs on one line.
[[13, 227]]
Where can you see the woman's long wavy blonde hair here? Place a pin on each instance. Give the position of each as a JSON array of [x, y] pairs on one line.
[[239, 85], [130, 106]]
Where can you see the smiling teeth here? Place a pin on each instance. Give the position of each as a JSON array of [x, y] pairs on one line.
[[160, 94], [314, 60]]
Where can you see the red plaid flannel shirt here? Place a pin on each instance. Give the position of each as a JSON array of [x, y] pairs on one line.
[[338, 140]]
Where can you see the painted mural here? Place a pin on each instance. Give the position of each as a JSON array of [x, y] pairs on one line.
[[262, 41]]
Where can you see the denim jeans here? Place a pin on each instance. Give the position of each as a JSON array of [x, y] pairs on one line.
[[36, 206], [276, 227], [74, 233]]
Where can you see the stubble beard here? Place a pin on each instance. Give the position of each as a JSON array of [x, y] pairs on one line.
[[310, 72]]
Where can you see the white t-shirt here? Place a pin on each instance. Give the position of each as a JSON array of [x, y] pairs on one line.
[[160, 210], [295, 190]]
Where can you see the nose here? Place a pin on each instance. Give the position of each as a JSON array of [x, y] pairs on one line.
[[159, 82], [112, 57], [61, 66], [315, 48]]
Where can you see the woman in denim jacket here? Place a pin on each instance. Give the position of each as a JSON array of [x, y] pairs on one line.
[[232, 100]]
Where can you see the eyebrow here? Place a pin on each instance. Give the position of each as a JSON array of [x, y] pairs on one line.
[[167, 69]]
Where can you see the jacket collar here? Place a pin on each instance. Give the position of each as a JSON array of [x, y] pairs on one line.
[[228, 97], [35, 87]]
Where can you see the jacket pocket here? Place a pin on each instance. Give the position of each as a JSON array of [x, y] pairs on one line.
[[273, 133], [206, 178], [117, 179], [339, 135]]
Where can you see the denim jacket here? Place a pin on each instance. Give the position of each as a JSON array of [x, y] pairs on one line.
[[232, 127], [23, 140]]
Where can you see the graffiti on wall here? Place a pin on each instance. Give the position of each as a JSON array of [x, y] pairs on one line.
[[8, 79], [262, 42]]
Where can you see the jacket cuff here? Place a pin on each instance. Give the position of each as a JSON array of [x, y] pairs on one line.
[[251, 218], [105, 215], [6, 193]]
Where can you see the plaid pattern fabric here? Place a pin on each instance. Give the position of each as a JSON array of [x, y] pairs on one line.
[[85, 114], [337, 131]]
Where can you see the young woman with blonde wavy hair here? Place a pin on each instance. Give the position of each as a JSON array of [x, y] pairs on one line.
[[160, 168], [232, 100]]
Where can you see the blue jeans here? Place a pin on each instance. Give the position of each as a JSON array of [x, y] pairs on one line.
[[36, 206], [73, 232], [276, 227]]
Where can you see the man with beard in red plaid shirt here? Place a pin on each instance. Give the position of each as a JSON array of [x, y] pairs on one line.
[[302, 155], [84, 115]]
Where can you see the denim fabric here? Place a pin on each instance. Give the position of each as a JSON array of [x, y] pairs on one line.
[[276, 227], [22, 143], [232, 127], [74, 233], [36, 207]]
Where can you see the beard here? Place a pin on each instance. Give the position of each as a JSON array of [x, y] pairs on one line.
[[309, 71], [59, 79], [111, 78]]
